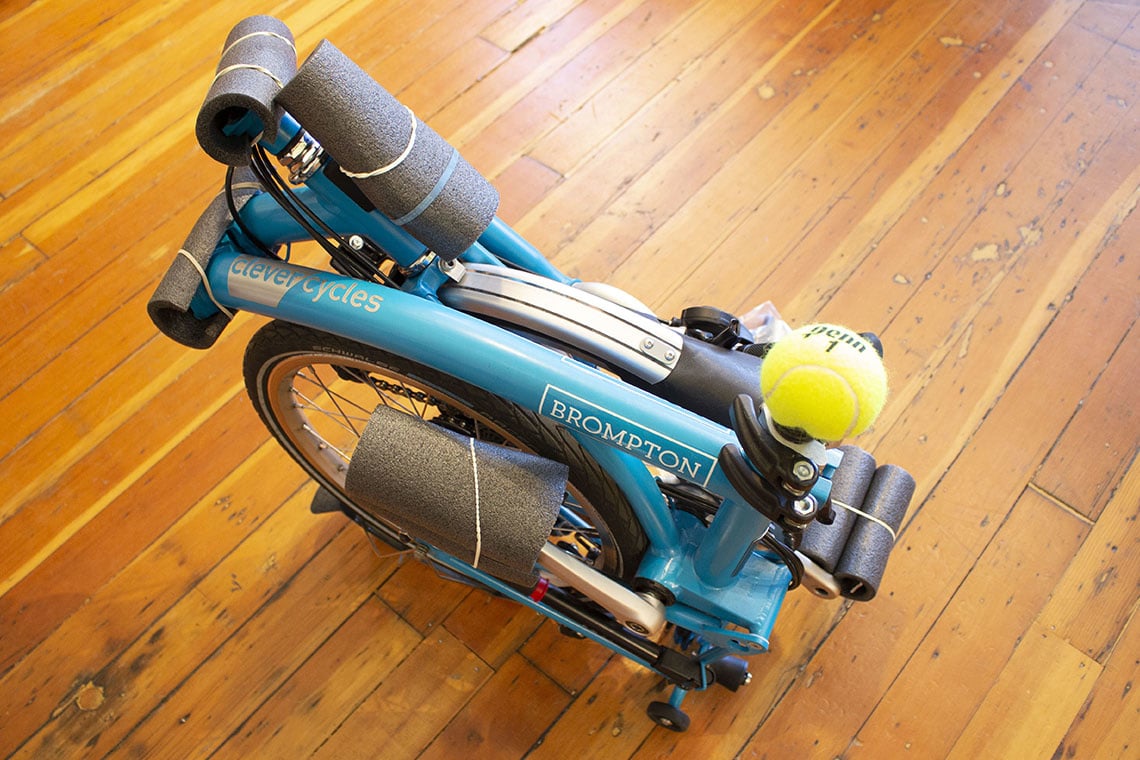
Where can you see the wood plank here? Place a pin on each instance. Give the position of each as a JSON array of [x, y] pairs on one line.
[[1097, 597], [815, 176], [42, 598], [149, 584], [1085, 466], [961, 288], [568, 661], [313, 587], [486, 102], [1045, 681], [505, 718], [295, 720], [662, 45], [521, 23], [890, 245], [113, 277], [657, 134], [45, 37], [492, 627], [100, 350], [447, 79], [55, 500], [58, 104], [17, 259], [420, 596], [606, 721], [721, 720], [1002, 594], [372, 32], [649, 46], [522, 185], [941, 542], [436, 51], [1107, 724], [407, 711]]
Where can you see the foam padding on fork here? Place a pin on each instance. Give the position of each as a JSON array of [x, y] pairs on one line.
[[824, 543], [421, 477], [860, 569], [426, 187], [169, 306], [258, 58]]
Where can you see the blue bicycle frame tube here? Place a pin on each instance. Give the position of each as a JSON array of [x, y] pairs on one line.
[[591, 404]]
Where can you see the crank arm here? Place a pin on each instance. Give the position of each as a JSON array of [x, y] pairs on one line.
[[642, 614]]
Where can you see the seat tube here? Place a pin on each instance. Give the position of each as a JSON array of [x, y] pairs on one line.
[[728, 542]]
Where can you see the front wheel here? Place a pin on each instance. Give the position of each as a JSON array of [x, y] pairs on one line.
[[315, 392]]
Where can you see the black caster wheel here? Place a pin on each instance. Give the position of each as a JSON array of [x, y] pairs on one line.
[[667, 716], [730, 672]]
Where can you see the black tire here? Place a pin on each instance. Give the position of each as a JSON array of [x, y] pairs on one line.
[[284, 362]]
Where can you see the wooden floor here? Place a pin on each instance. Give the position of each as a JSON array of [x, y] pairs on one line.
[[960, 177]]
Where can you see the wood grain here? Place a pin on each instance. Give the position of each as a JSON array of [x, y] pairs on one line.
[[961, 177]]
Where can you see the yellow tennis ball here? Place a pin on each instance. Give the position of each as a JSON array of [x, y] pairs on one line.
[[824, 379]]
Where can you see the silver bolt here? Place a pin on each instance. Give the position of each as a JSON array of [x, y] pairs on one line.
[[670, 355], [802, 470], [355, 242], [804, 507], [647, 344]]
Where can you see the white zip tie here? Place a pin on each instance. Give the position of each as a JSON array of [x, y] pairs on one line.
[[872, 518], [205, 281], [251, 67], [399, 159], [265, 33], [478, 525]]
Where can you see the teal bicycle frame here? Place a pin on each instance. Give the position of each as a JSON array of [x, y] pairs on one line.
[[726, 591]]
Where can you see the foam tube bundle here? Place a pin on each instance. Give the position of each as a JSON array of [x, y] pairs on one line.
[[824, 543], [864, 559], [413, 175], [422, 478], [259, 57], [169, 306]]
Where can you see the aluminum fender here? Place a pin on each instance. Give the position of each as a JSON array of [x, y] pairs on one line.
[[624, 338]]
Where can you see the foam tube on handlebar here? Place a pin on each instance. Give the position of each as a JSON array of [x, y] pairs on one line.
[[421, 477], [169, 307], [259, 57], [824, 543], [864, 559], [416, 178]]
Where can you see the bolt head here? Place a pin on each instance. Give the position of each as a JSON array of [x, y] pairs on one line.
[[803, 470], [804, 507]]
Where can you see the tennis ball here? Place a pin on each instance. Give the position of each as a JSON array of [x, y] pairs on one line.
[[824, 379]]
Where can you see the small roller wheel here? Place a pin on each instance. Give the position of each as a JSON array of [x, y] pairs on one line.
[[667, 716], [730, 672]]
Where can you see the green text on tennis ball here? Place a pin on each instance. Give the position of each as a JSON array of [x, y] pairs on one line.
[[824, 379]]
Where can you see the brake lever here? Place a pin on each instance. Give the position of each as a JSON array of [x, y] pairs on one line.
[[779, 464]]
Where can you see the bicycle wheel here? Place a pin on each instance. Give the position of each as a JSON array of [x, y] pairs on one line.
[[315, 392]]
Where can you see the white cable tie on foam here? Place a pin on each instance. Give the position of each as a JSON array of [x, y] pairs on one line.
[[872, 518], [478, 518], [265, 33], [251, 67], [399, 159], [205, 281]]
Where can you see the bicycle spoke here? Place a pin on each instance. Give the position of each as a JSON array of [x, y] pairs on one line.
[[312, 406]]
